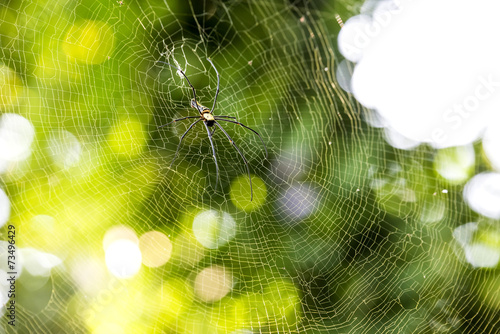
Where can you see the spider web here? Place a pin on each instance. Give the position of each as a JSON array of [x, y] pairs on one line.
[[345, 234]]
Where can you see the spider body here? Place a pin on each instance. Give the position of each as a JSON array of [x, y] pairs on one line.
[[209, 120], [205, 113], [201, 109]]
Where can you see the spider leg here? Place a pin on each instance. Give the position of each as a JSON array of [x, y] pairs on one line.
[[225, 117], [178, 69], [246, 127], [180, 142], [241, 154], [213, 131], [218, 81], [179, 119], [213, 152]]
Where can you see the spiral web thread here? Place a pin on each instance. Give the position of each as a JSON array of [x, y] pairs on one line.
[[332, 245]]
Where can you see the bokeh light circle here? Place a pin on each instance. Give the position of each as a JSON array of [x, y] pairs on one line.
[[119, 232], [482, 193], [16, 137], [240, 193], [214, 229], [156, 248], [65, 149], [123, 258], [298, 202], [213, 283]]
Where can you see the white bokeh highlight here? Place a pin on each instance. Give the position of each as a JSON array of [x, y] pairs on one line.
[[353, 39], [213, 229], [477, 254], [343, 74], [397, 140], [65, 149], [119, 232], [491, 145], [455, 164], [38, 263], [89, 274], [4, 208], [482, 194], [16, 136], [123, 258], [422, 81], [481, 255]]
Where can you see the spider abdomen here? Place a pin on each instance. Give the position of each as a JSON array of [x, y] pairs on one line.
[[208, 117]]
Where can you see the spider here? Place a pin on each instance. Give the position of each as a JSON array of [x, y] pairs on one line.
[[209, 120]]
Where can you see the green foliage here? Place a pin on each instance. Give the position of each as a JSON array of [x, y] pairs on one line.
[[344, 233]]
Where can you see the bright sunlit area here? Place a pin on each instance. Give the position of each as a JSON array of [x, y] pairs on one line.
[[437, 85]]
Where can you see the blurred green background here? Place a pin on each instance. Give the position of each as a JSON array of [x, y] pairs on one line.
[[345, 234]]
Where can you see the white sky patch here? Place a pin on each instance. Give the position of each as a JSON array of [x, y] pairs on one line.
[[430, 69]]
